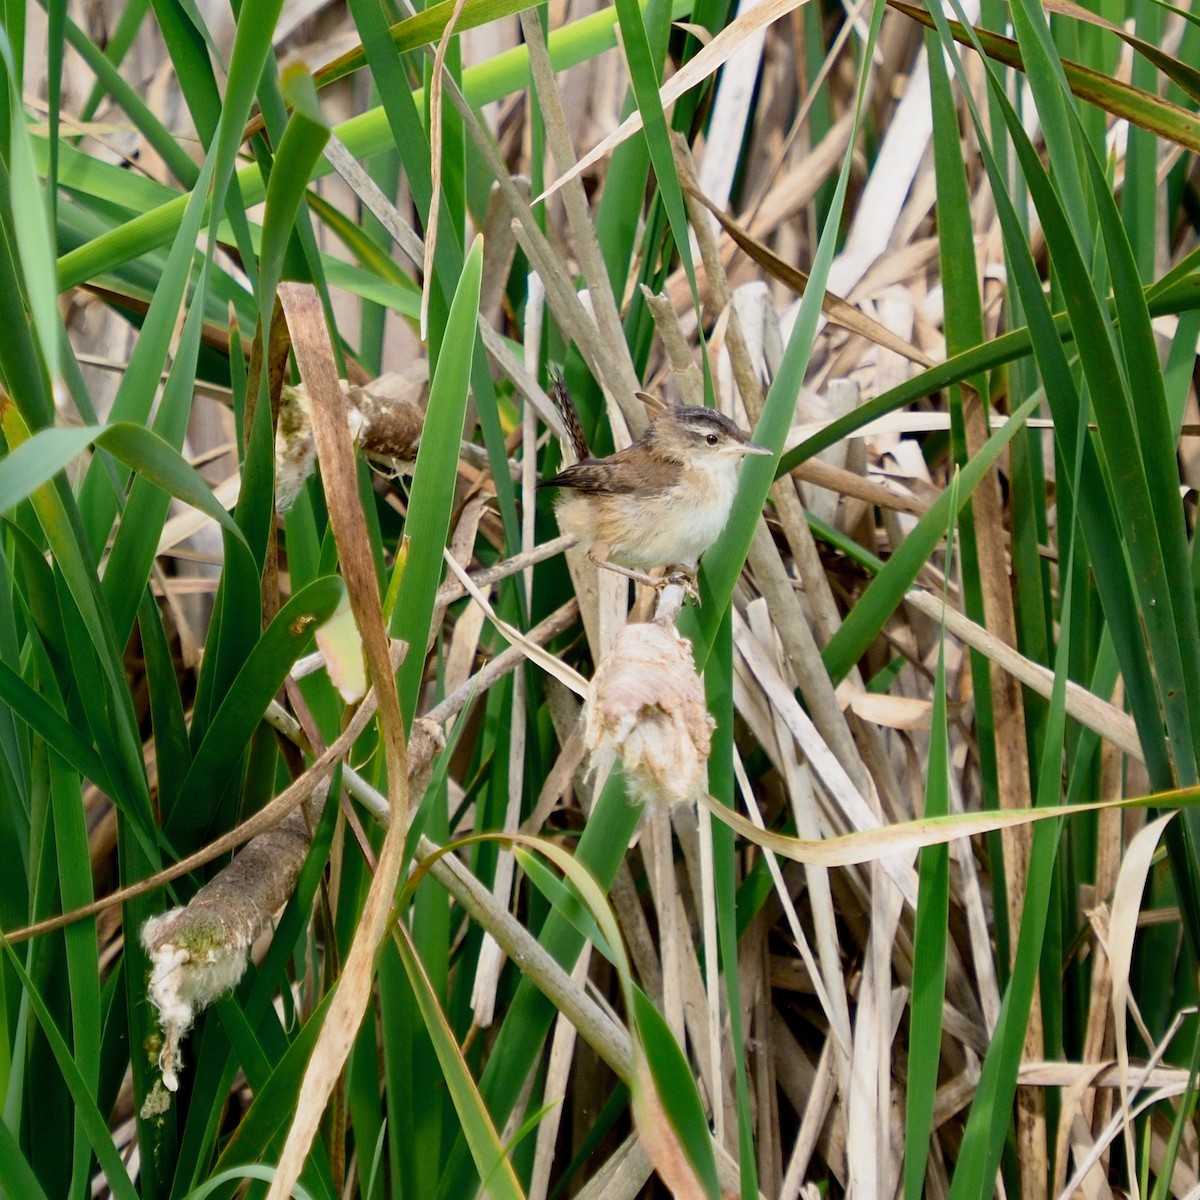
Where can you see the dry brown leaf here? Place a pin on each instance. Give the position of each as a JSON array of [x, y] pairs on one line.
[[892, 712], [314, 354], [658, 1138]]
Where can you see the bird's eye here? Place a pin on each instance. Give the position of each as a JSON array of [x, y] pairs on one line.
[[712, 439]]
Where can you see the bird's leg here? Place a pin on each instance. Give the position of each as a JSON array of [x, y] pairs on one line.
[[599, 555]]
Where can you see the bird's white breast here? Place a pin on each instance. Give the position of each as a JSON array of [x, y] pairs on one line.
[[678, 525]]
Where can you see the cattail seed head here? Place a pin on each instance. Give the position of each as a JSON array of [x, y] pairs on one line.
[[646, 706]]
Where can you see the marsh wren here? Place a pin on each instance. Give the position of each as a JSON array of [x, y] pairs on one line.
[[660, 502]]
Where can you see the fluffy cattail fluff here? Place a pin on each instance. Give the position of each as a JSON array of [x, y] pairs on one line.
[[199, 953], [646, 706], [191, 966]]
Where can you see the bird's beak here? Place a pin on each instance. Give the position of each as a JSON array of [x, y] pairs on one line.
[[754, 448]]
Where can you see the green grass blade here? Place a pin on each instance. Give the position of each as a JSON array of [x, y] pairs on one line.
[[35, 245], [886, 590], [486, 1148], [723, 563], [432, 492], [299, 152], [90, 1117], [675, 1085], [16, 1175], [82, 951], [929, 954], [644, 75], [108, 78], [261, 676]]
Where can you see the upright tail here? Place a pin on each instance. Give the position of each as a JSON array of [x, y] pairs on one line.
[[570, 415]]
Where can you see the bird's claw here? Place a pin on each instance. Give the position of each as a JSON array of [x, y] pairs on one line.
[[683, 579]]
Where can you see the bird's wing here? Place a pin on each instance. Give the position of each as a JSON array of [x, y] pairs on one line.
[[591, 475], [617, 475]]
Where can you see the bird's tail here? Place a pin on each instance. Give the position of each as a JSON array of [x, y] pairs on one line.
[[570, 415]]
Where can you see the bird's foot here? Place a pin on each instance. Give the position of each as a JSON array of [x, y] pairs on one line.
[[680, 577]]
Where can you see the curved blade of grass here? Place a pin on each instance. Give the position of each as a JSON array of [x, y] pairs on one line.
[[1182, 73], [907, 837], [140, 449], [38, 460], [434, 475], [1160, 117], [89, 1116], [671, 1083], [249, 1171], [52, 727], [491, 1161], [560, 896]]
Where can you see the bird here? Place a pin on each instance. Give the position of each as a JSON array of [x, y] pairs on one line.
[[659, 503]]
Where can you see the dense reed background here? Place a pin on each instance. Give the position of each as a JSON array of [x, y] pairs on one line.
[[954, 285]]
